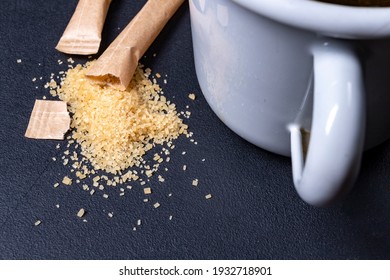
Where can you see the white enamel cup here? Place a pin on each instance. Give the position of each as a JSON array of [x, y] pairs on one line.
[[276, 71]]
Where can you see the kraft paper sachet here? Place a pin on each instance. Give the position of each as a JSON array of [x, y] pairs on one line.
[[116, 66], [83, 32], [48, 120]]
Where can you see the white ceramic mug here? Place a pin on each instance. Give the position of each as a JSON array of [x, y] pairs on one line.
[[275, 71]]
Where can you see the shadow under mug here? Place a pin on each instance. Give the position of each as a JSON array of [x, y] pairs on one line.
[[299, 78]]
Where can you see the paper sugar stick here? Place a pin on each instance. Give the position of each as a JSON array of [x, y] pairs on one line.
[[116, 66], [48, 120], [83, 32]]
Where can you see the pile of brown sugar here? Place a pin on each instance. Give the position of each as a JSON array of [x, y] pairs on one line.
[[116, 128]]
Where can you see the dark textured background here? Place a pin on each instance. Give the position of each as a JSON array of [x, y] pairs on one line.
[[255, 212]]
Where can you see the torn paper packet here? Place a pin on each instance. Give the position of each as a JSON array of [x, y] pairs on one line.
[[116, 66], [49, 120]]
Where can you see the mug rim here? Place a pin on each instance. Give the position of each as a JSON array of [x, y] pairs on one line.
[[328, 19]]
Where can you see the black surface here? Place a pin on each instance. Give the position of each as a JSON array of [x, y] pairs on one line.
[[255, 212]]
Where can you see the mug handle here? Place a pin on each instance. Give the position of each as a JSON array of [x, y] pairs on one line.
[[338, 125]]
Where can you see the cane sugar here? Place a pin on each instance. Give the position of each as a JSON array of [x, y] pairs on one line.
[[116, 128]]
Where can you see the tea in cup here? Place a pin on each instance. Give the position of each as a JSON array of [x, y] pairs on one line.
[[363, 3]]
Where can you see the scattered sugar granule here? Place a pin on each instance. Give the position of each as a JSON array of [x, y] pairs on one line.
[[92, 192], [56, 185], [58, 146], [110, 214], [156, 205], [208, 196], [170, 217], [53, 158], [81, 213], [19, 61], [70, 60], [67, 181], [105, 195], [134, 228], [184, 167], [34, 79], [149, 173], [158, 75], [195, 182], [52, 84], [80, 175], [148, 71], [57, 205], [147, 190], [183, 153], [160, 178], [37, 223], [192, 96], [138, 222]]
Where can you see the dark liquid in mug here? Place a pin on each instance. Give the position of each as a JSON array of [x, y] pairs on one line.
[[363, 3]]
